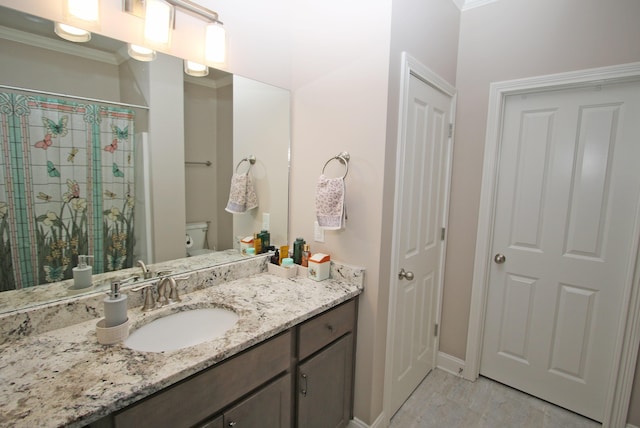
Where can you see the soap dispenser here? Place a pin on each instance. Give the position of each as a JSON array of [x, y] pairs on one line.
[[115, 306], [82, 273]]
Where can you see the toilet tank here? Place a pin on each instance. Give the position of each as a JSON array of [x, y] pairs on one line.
[[196, 236]]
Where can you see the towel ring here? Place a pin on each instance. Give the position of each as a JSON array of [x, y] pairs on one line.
[[343, 158], [251, 159]]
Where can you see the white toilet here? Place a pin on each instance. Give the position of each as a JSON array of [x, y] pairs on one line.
[[196, 239]]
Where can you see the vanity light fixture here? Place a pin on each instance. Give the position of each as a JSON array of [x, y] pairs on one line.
[[194, 69], [73, 34], [80, 17], [141, 53], [159, 17], [158, 22], [216, 43], [84, 10]]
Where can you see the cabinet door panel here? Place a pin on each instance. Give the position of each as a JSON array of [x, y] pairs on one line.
[[269, 407], [324, 386]]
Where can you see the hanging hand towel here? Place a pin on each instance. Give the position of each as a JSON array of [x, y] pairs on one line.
[[242, 195], [331, 210]]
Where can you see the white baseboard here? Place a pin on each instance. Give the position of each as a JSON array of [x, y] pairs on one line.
[[450, 364], [378, 423]]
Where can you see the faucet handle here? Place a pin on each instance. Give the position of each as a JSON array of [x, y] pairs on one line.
[[149, 301]]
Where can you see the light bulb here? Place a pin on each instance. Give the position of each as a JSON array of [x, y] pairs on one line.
[[158, 21], [141, 53], [215, 43], [195, 69], [73, 34]]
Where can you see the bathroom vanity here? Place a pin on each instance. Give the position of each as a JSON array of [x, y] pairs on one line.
[[287, 362]]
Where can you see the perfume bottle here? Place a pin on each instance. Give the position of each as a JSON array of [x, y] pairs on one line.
[[306, 253]]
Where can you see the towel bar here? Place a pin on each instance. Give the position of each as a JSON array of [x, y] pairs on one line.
[[251, 159], [343, 157]]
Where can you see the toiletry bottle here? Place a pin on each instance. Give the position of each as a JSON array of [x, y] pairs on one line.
[[82, 273], [284, 252], [265, 237], [275, 258], [298, 246], [306, 253], [257, 243], [115, 306]]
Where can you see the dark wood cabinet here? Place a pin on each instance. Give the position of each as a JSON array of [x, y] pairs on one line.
[[325, 386], [208, 392], [255, 388], [269, 407]]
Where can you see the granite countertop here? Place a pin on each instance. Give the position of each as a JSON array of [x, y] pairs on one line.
[[64, 377]]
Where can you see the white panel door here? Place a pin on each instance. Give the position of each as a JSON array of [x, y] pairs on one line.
[[419, 244], [566, 204]]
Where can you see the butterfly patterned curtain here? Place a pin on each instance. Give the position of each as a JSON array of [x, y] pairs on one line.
[[66, 188]]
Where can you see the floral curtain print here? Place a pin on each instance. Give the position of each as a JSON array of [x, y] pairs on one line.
[[66, 188]]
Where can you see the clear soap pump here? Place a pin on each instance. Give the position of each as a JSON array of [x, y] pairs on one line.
[[82, 273]]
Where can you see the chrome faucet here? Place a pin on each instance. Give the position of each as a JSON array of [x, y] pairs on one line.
[[165, 296], [146, 273]]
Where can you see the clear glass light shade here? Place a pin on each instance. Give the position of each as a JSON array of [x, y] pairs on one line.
[[141, 53], [215, 43], [86, 10], [73, 34], [195, 69], [158, 22]]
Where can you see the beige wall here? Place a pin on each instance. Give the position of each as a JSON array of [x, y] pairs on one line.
[[346, 83], [201, 145], [41, 69], [224, 151], [340, 74], [262, 128], [508, 40]]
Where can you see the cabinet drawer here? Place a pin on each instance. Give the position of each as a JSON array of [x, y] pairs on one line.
[[325, 328], [206, 393]]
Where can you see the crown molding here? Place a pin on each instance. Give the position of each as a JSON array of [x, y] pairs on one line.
[[68, 48], [465, 5], [210, 83]]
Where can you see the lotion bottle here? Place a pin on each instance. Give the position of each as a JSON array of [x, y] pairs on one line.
[[115, 306], [306, 253], [82, 273]]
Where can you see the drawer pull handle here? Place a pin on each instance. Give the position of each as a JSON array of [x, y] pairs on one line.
[[232, 423], [330, 328], [303, 390]]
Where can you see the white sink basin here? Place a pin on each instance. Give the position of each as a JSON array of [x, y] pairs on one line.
[[182, 329]]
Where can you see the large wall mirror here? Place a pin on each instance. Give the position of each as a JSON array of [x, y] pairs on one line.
[[170, 145]]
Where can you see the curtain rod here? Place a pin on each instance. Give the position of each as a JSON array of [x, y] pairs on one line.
[[75, 97]]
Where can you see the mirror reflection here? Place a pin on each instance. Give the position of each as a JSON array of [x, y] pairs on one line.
[[111, 170]]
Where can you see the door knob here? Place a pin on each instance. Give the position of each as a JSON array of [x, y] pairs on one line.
[[407, 275], [499, 258]]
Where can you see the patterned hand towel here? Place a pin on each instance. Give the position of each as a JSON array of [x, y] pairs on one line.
[[242, 195], [331, 210]]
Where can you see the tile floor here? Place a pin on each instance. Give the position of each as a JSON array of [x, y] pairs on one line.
[[444, 400]]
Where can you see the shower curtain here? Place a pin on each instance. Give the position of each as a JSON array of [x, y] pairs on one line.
[[66, 188]]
